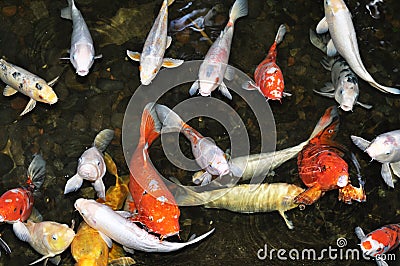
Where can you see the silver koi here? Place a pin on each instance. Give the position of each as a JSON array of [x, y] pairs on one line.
[[21, 80], [82, 54], [215, 64], [152, 57]]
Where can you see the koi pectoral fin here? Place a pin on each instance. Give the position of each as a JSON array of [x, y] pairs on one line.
[[73, 184], [396, 168], [21, 231], [194, 88], [202, 179], [359, 233], [331, 49], [135, 56], [360, 142], [31, 104], [287, 221], [170, 62], [387, 175], [309, 196], [224, 90], [366, 106], [322, 26], [349, 193], [250, 86], [100, 188]]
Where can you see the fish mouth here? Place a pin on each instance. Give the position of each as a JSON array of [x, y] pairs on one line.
[[82, 72], [342, 181], [346, 107]]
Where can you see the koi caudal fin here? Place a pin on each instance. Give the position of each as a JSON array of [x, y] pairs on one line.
[[239, 9], [150, 126], [37, 171]]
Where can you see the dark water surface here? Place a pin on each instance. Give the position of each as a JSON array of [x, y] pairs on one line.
[[35, 37]]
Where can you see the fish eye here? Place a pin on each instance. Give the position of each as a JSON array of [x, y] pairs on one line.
[[54, 237], [341, 91], [98, 163], [38, 86]]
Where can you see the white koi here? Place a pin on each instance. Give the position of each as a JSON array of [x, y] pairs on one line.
[[82, 54], [91, 165], [21, 80], [344, 40], [152, 57], [116, 226], [206, 153], [385, 148], [215, 64]]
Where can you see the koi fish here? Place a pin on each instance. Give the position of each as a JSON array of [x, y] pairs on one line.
[[215, 64], [344, 85], [380, 241], [268, 76], [23, 81], [91, 165], [152, 57], [48, 238], [262, 164], [322, 168], [114, 226], [82, 53], [88, 247], [206, 153], [246, 198], [155, 205], [16, 204], [188, 20], [385, 148], [344, 41]]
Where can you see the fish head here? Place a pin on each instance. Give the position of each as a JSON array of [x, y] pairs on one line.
[[44, 93], [382, 148], [346, 95], [57, 237], [149, 67], [16, 205], [87, 209], [371, 246], [82, 58], [275, 94], [210, 77], [91, 165]]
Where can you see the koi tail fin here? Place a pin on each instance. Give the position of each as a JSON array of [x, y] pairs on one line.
[[170, 120], [103, 138], [280, 34], [187, 196], [327, 119], [238, 10], [66, 12], [37, 171], [150, 126]]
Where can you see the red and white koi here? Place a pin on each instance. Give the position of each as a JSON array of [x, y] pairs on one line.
[[268, 76], [215, 64], [82, 54], [21, 80], [114, 226], [152, 57], [16, 204], [379, 242]]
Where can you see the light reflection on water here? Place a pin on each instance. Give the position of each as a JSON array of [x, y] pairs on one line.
[[35, 40]]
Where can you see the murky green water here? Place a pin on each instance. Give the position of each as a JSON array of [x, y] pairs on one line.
[[35, 37]]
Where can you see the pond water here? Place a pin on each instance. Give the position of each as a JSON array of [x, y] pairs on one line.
[[34, 37]]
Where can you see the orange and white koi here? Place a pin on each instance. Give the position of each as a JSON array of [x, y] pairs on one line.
[[23, 81], [268, 76], [152, 57], [380, 241], [155, 205]]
